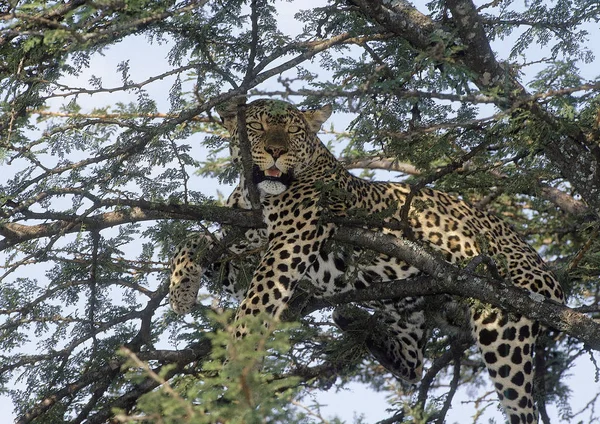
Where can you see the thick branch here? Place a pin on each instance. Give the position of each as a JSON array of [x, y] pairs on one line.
[[400, 18], [478, 54], [133, 211], [447, 278]]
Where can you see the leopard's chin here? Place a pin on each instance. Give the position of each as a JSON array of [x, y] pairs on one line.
[[272, 188], [271, 181]]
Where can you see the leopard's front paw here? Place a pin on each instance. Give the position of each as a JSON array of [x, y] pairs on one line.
[[186, 274]]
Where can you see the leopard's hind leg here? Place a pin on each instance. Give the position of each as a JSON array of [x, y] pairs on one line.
[[506, 343], [395, 335]]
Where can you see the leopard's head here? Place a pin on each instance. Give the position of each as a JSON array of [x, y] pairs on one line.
[[282, 138]]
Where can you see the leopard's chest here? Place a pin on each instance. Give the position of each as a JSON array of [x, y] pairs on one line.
[[292, 212]]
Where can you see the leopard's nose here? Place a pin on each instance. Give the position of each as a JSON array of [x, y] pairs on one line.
[[276, 151]]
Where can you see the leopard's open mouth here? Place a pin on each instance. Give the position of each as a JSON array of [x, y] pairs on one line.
[[271, 174]]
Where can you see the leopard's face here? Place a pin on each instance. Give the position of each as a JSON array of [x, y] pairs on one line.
[[282, 140]]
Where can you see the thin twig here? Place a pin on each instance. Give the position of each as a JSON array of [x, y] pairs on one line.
[[453, 387]]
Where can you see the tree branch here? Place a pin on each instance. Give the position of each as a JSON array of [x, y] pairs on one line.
[[131, 211], [444, 277]]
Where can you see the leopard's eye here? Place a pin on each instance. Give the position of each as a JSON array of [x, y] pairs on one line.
[[255, 125], [293, 129]]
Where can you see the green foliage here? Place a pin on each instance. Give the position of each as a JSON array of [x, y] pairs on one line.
[[247, 388]]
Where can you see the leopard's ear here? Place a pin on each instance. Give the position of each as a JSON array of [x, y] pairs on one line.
[[228, 110], [315, 118]]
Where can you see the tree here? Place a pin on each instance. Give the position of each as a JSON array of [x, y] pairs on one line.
[[96, 197]]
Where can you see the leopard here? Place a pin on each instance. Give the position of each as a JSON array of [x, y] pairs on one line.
[[301, 185]]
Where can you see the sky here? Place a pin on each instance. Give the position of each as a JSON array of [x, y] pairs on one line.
[[148, 60]]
